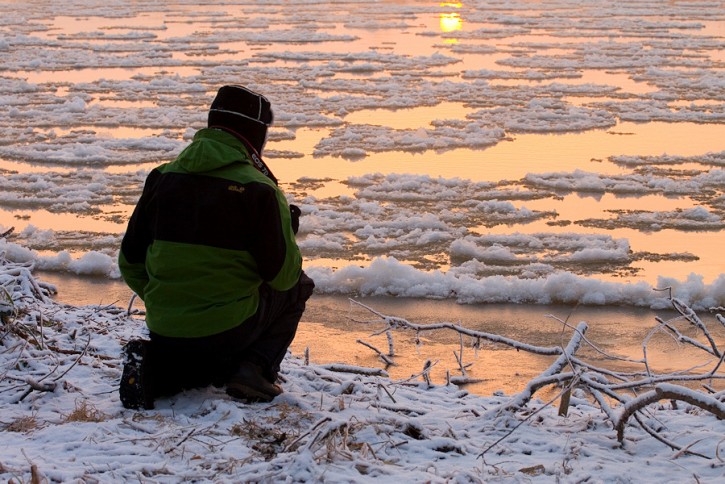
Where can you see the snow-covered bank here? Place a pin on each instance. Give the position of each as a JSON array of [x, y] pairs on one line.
[[91, 263], [62, 420], [386, 276]]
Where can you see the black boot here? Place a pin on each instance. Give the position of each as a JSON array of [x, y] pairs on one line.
[[249, 384], [136, 386]]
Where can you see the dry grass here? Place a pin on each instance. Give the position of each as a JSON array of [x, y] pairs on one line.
[[273, 434], [23, 424], [85, 412]]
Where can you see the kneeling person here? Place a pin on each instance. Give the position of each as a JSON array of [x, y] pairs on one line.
[[210, 249]]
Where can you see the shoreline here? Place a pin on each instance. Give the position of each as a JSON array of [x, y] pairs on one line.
[[335, 330]]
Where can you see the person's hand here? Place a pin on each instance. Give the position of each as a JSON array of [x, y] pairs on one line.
[[295, 213], [305, 287]]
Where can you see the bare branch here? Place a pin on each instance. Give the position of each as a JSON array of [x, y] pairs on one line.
[[670, 392], [130, 304], [685, 339], [391, 349], [695, 320], [400, 323], [665, 441], [596, 348], [550, 375], [380, 354]]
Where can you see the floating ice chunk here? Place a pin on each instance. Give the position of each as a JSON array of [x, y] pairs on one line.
[[496, 254], [694, 289], [90, 263], [595, 255], [75, 105], [94, 263], [697, 218], [532, 75], [353, 153], [715, 159], [321, 244], [382, 138]]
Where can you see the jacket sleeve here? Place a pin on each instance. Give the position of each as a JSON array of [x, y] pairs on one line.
[[275, 250], [136, 240]]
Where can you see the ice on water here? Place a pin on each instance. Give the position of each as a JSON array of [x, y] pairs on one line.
[[90, 101]]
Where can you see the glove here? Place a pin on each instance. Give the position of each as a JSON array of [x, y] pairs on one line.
[[305, 287], [295, 213]]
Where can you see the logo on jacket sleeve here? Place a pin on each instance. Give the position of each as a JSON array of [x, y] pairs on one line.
[[235, 188]]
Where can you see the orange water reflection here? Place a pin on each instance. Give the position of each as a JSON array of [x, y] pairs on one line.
[[508, 160], [409, 118], [96, 74], [116, 132], [619, 331], [332, 325], [71, 222], [71, 25]]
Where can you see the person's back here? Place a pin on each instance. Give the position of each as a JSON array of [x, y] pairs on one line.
[[211, 237]]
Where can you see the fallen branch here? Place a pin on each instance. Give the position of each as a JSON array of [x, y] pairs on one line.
[[355, 369], [550, 375], [380, 354], [604, 385], [399, 323], [695, 320], [666, 391]]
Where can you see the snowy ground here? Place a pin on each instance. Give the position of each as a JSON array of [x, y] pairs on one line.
[[62, 420]]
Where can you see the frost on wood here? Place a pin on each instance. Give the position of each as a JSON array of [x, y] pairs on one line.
[[47, 339], [605, 387]]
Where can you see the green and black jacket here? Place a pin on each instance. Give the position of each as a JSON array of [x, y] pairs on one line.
[[208, 229]]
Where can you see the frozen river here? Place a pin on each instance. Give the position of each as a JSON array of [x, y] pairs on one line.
[[515, 152]]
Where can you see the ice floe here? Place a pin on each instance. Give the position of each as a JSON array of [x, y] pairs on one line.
[[91, 100]]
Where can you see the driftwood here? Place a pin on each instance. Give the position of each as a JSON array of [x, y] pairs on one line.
[[631, 393], [665, 391]]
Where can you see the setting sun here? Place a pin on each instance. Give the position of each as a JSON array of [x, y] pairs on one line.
[[450, 22]]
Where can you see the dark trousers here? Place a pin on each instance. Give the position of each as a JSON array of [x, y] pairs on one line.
[[262, 339]]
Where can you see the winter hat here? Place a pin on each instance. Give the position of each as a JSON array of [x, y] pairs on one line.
[[243, 112]]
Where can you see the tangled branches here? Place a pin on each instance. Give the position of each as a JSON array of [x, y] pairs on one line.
[[620, 395], [41, 340]]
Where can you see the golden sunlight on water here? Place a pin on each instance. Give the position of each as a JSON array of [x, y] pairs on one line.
[[451, 22], [69, 221], [87, 74], [507, 160], [332, 327]]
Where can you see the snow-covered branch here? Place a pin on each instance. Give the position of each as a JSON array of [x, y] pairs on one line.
[[604, 386], [666, 391]]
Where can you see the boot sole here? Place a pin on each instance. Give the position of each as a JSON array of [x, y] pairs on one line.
[[248, 394]]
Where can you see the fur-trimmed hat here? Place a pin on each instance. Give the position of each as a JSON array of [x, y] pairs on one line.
[[243, 112]]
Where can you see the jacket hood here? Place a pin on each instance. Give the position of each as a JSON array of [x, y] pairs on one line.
[[210, 150]]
